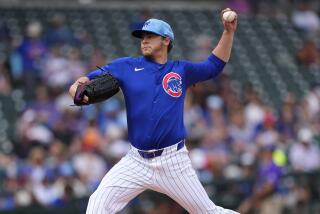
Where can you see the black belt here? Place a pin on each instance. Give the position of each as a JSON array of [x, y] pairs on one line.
[[157, 153]]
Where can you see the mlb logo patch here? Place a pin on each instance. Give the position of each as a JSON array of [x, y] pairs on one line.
[[172, 84]]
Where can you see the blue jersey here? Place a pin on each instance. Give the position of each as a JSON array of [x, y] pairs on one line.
[[154, 96]]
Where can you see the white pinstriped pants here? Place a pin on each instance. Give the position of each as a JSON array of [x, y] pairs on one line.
[[171, 174]]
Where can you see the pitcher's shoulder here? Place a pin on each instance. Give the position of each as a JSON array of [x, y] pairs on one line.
[[122, 60]]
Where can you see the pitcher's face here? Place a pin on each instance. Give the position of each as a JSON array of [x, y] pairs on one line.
[[152, 44]]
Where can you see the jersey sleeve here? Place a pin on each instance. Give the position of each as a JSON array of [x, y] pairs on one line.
[[201, 71], [116, 68]]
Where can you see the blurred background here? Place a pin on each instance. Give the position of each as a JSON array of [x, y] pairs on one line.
[[254, 132]]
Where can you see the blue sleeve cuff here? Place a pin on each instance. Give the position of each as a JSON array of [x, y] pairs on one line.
[[94, 74], [217, 61]]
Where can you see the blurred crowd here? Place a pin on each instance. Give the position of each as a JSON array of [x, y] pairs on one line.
[[304, 16], [61, 152]]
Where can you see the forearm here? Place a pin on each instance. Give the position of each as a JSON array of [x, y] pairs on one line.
[[223, 49], [73, 87]]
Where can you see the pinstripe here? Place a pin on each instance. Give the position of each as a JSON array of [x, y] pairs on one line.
[[110, 174], [125, 181], [112, 179], [119, 206], [197, 187], [114, 203], [105, 205], [168, 174], [193, 184], [182, 202], [135, 191], [126, 168], [95, 197], [203, 198], [166, 186], [183, 183], [180, 177], [110, 189], [128, 171], [114, 183], [169, 186], [98, 195], [200, 189]]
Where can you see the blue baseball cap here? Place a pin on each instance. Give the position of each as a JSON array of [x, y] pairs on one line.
[[155, 26]]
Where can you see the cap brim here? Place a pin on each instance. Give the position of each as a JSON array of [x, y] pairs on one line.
[[138, 33]]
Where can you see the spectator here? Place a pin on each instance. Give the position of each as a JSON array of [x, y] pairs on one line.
[[91, 136], [287, 119], [5, 34], [254, 109], [202, 48], [111, 121], [32, 51], [267, 133], [47, 113], [88, 161], [59, 33], [32, 131], [240, 133], [55, 72], [5, 82], [97, 58], [216, 117], [305, 155], [36, 165], [16, 61], [309, 53], [45, 193], [264, 197], [313, 102], [194, 119], [306, 19], [75, 66]]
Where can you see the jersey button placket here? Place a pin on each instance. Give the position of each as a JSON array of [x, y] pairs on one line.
[[156, 93]]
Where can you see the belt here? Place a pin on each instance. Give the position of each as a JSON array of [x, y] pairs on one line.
[[158, 152]]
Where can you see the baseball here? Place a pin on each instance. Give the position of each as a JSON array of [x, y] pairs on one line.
[[229, 16]]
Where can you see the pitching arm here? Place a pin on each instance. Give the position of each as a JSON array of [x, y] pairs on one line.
[[223, 48]]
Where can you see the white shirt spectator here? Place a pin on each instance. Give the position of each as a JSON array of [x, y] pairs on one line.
[[55, 70], [305, 156], [90, 167], [306, 20], [254, 114], [45, 194], [313, 102]]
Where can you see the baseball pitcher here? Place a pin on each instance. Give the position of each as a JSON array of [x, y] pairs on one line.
[[154, 89]]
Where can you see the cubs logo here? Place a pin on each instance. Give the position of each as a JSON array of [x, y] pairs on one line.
[[172, 84]]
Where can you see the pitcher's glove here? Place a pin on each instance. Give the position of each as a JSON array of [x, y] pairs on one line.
[[97, 90]]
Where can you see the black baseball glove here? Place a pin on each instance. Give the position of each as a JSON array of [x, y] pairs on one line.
[[97, 90]]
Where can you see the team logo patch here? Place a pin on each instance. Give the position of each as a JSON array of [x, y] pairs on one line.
[[172, 84]]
